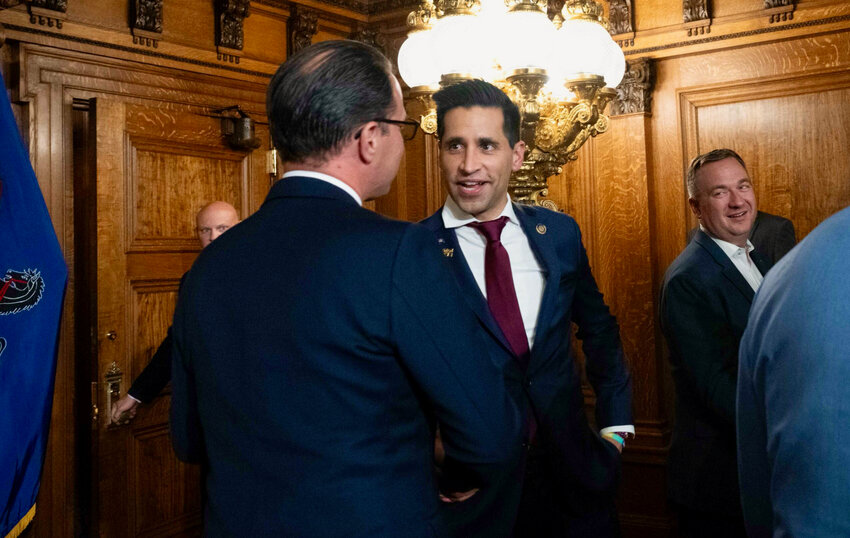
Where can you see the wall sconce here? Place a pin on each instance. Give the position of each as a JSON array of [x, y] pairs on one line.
[[237, 128]]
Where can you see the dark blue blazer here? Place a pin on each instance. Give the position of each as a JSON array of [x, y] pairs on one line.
[[704, 306], [585, 464], [315, 343]]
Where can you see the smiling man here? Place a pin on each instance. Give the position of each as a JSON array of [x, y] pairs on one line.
[[705, 301], [525, 272]]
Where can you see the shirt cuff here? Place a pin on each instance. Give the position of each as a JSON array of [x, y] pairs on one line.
[[629, 428], [138, 400]]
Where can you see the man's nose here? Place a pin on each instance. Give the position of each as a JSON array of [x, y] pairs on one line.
[[470, 161]]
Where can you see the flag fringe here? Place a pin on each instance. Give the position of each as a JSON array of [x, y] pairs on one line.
[[22, 524]]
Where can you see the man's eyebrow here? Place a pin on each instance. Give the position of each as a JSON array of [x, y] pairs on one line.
[[486, 140]]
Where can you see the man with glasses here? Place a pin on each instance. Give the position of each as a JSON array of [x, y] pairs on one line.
[[212, 220], [309, 384]]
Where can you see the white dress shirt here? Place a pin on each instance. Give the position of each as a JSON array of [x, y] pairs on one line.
[[740, 257], [529, 277], [327, 179]]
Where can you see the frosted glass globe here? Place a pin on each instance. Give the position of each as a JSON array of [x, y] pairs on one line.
[[583, 48], [416, 62]]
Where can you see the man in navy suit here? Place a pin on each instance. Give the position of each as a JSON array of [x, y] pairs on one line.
[[793, 410], [317, 342], [705, 300], [563, 483], [212, 220]]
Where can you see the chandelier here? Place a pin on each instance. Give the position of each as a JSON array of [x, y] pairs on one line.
[[560, 72]]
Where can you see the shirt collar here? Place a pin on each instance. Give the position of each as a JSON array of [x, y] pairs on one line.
[[327, 179], [455, 217], [729, 248]]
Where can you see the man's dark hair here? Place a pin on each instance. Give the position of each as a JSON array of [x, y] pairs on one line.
[[701, 160], [320, 96], [470, 93]]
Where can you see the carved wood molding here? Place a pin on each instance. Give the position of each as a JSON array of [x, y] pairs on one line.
[[621, 22], [303, 25], [229, 16], [5, 4], [371, 35], [48, 13], [146, 22], [634, 94], [780, 10], [696, 15]]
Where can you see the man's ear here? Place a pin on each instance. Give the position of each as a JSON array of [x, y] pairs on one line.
[[694, 203], [518, 156], [368, 142]]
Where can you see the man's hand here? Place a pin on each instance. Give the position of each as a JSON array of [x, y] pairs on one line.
[[123, 410], [457, 496]]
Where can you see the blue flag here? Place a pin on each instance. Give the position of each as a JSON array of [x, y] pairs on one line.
[[32, 287]]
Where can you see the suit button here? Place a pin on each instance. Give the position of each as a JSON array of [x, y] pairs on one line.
[[528, 383]]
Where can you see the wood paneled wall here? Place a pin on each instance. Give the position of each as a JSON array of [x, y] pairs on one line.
[[777, 91]]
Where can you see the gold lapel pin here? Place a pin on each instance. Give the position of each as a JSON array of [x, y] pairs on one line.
[[541, 229], [449, 252]]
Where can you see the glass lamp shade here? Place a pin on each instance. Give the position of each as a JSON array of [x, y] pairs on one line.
[[416, 61], [462, 46], [527, 39], [616, 65], [584, 48]]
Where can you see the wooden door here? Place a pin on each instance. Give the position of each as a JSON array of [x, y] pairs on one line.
[[156, 165]]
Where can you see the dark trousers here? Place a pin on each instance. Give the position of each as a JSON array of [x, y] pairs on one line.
[[697, 524], [551, 509]]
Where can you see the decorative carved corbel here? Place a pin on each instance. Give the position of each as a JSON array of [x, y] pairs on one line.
[[621, 24], [303, 25], [146, 22], [695, 14], [780, 10], [370, 36], [634, 94], [48, 13], [229, 15]]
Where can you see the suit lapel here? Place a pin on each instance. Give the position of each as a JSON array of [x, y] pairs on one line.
[[728, 268], [543, 247], [447, 239]]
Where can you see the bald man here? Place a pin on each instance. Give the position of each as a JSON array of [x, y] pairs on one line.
[[212, 220]]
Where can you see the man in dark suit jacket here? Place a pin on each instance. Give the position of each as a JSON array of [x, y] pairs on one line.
[[212, 220], [705, 300], [316, 342], [793, 410], [563, 485]]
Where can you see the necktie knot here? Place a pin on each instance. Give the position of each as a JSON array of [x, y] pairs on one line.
[[491, 229]]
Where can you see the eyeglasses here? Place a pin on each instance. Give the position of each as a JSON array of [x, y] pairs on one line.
[[408, 128]]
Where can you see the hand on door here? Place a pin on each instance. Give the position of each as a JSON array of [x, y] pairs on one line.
[[124, 410]]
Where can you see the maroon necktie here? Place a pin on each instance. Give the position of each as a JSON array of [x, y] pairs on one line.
[[501, 295]]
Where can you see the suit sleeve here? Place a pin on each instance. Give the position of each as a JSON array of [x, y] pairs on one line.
[[440, 344], [702, 347], [156, 374], [600, 335], [186, 434]]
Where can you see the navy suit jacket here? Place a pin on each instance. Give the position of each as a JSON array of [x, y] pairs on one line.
[[704, 306], [314, 345], [772, 235], [551, 387], [793, 405]]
